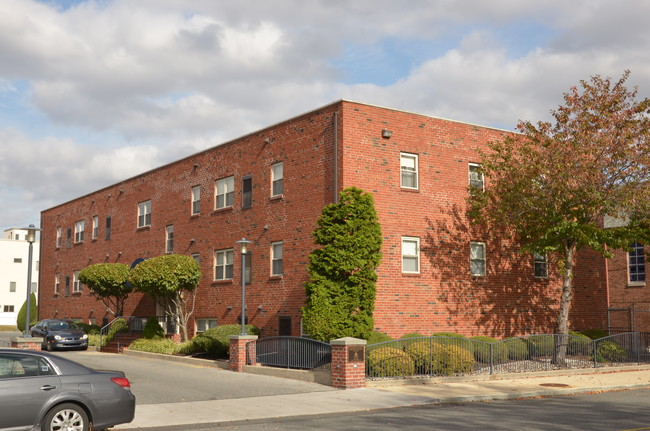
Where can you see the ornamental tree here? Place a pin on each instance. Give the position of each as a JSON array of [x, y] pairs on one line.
[[172, 281], [550, 186], [108, 282], [341, 293]]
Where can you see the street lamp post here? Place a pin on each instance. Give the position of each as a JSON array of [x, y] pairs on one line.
[[243, 243], [31, 237]]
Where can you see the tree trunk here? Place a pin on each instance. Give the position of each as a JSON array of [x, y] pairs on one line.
[[561, 340]]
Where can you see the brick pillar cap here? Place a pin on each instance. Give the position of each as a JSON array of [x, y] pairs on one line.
[[242, 337], [348, 341], [27, 339]]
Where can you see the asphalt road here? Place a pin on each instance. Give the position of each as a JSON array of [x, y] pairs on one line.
[[609, 411], [156, 382]]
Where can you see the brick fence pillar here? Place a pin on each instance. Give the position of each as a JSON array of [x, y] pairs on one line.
[[348, 363], [238, 351], [27, 343]]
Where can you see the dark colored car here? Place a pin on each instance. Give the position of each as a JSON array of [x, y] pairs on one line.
[[60, 334], [43, 391]]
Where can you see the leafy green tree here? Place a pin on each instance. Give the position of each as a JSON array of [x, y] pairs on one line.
[[171, 280], [33, 313], [551, 185], [108, 282], [341, 293]]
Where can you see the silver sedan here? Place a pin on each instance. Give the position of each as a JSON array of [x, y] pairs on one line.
[[38, 389]]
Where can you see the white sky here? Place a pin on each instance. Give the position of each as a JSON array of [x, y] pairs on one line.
[[93, 92]]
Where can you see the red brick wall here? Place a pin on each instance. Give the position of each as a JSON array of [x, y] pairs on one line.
[[443, 297], [631, 296]]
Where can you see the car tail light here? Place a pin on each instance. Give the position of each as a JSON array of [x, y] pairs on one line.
[[122, 381]]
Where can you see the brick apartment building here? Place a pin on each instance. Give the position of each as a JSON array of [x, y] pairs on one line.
[[270, 186]]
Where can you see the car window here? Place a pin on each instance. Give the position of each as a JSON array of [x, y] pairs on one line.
[[12, 366], [58, 326]]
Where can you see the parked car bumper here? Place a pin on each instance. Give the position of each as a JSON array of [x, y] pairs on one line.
[[68, 344]]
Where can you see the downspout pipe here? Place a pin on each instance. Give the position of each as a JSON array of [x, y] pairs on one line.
[[336, 157]]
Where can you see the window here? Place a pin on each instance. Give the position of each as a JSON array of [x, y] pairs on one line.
[[196, 257], [144, 214], [277, 177], [477, 258], [67, 286], [79, 231], [17, 237], [108, 227], [18, 260], [247, 192], [57, 284], [9, 309], [225, 192], [276, 258], [476, 176], [95, 227], [68, 240], [203, 325], [409, 170], [223, 264], [196, 200], [76, 284], [170, 239], [34, 287], [636, 263], [541, 265], [58, 237], [411, 255], [12, 286]]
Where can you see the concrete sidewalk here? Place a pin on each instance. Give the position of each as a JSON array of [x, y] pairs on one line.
[[390, 395]]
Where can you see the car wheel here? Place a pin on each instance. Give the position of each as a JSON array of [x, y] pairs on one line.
[[66, 417]]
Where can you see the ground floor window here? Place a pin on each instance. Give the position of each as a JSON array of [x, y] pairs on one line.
[[203, 325]]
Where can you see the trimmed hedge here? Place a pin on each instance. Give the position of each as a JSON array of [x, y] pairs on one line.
[[517, 348], [377, 337], [390, 362], [482, 350], [156, 345], [609, 351], [215, 340], [412, 335], [595, 334], [152, 329]]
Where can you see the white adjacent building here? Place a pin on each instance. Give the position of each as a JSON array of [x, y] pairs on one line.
[[14, 259]]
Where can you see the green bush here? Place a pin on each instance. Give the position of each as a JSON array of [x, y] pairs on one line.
[[609, 351], [152, 329], [377, 337], [215, 340], [540, 345], [119, 325], [595, 334], [448, 334], [579, 344], [22, 313], [93, 340], [449, 360], [517, 348], [156, 345], [412, 335], [389, 362], [421, 353], [88, 328], [482, 350]]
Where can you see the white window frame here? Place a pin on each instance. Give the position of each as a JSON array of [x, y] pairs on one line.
[[169, 238], [79, 228], [406, 169], [409, 256], [223, 259], [144, 214], [475, 246], [76, 284], [95, 227], [277, 264], [635, 260], [224, 193], [196, 200], [205, 323], [540, 263], [277, 179], [59, 234], [57, 283], [478, 182]]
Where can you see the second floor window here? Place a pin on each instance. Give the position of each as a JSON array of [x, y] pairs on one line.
[[247, 192], [196, 200], [144, 214], [169, 239], [476, 176], [58, 237], [225, 192], [108, 227], [79, 231], [12, 286], [541, 265], [95, 227], [223, 264], [636, 263], [477, 261], [57, 284], [76, 283], [277, 179], [276, 258], [409, 170]]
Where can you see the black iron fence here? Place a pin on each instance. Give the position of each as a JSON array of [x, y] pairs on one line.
[[447, 356], [290, 352]]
